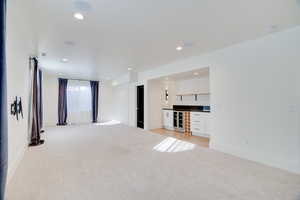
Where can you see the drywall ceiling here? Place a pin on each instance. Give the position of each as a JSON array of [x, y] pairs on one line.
[[144, 34], [199, 73]]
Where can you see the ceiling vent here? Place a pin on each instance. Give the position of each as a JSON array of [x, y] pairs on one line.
[[82, 5], [69, 43], [188, 44]]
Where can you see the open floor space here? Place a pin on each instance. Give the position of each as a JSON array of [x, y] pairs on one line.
[[119, 162], [149, 100]]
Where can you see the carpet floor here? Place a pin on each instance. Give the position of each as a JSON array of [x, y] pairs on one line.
[[117, 162]]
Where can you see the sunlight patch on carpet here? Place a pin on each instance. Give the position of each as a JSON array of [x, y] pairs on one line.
[[108, 123], [173, 145]]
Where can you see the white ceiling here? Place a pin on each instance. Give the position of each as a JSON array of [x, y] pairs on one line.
[[143, 34], [199, 73]]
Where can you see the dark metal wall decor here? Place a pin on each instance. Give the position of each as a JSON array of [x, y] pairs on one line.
[[16, 108], [166, 95]]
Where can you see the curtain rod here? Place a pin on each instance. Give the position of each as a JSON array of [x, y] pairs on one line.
[[73, 79]]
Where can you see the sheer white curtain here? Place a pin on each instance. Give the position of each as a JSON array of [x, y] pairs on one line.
[[79, 102]]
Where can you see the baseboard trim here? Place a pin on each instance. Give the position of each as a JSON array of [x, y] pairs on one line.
[[12, 167], [289, 166]]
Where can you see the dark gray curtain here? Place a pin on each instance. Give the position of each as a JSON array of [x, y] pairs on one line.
[[3, 103], [40, 98], [35, 138], [62, 102], [95, 96]]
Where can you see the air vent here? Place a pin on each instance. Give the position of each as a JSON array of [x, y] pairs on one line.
[[81, 5], [69, 43], [188, 44]]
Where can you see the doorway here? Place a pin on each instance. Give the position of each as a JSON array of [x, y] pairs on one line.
[[140, 106]]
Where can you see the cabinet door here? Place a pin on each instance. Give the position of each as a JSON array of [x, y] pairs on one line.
[[208, 130], [200, 124], [203, 121], [165, 118], [170, 119]]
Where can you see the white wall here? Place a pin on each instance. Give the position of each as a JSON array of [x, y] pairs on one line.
[[170, 86], [105, 102], [50, 97], [124, 99], [121, 103], [256, 101], [193, 85], [132, 105], [20, 45], [255, 97], [124, 103], [155, 104]]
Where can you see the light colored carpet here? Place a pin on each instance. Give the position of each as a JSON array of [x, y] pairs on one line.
[[121, 163]]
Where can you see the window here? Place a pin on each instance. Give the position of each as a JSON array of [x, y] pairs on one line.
[[79, 102]]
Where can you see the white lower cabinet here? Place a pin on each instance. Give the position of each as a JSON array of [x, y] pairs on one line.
[[168, 119], [200, 122]]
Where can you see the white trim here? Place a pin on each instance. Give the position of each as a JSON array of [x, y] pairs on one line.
[[288, 165]]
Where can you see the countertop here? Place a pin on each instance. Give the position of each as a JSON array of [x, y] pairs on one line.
[[168, 109], [187, 110]]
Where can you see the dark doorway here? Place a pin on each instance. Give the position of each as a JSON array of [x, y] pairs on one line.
[[140, 106]]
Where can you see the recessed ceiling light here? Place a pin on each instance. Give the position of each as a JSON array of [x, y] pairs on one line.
[[179, 48], [79, 16], [274, 28], [64, 60], [196, 73], [115, 83], [69, 43], [129, 68]]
